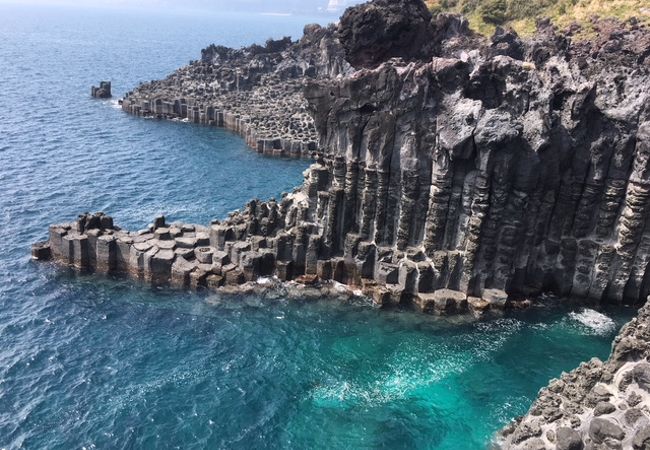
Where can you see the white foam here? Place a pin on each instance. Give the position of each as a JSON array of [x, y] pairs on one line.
[[399, 380], [340, 287], [596, 322], [415, 367]]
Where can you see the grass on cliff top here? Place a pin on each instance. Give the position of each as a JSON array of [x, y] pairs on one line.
[[485, 15]]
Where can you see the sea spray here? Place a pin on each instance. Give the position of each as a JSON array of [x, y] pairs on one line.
[[593, 321]]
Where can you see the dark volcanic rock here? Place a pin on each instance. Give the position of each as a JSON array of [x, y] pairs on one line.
[[494, 169], [600, 393], [103, 91], [451, 173], [507, 42], [374, 32], [511, 172], [254, 91]]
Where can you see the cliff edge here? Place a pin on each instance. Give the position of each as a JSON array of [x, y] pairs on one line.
[[452, 172]]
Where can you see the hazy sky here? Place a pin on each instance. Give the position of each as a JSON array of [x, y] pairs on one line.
[[262, 6]]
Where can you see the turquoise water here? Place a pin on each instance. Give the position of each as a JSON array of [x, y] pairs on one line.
[[87, 362]]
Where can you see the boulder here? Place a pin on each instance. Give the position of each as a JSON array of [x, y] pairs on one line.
[[374, 32], [602, 430], [568, 439]]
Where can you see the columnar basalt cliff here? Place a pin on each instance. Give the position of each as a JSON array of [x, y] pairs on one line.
[[452, 173], [255, 91], [463, 173], [519, 167]]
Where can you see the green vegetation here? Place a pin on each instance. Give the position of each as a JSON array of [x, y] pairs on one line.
[[485, 15]]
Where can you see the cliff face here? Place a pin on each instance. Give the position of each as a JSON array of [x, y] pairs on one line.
[[520, 166], [451, 173], [466, 172], [254, 91]]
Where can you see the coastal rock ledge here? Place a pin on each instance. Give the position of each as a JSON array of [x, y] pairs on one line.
[[452, 172], [498, 169], [254, 91]]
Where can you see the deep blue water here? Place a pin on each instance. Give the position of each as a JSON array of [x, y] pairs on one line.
[[87, 362]]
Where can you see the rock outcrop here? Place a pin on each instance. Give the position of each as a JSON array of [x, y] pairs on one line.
[[255, 91], [182, 256], [376, 31], [599, 405], [470, 172], [520, 166], [103, 91], [452, 173]]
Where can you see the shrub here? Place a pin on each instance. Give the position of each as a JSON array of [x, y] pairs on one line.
[[468, 6], [494, 11], [522, 9]]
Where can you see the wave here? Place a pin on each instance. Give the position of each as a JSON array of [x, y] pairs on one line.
[[596, 322], [414, 368]]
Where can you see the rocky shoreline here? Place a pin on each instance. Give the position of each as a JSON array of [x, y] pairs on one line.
[[185, 256], [452, 173], [255, 91], [599, 405], [509, 165]]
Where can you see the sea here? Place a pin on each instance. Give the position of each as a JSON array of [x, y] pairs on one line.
[[97, 363]]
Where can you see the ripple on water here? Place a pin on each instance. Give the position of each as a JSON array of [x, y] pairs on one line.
[[91, 362]]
